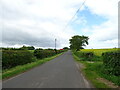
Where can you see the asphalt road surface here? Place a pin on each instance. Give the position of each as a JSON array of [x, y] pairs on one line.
[[60, 72]]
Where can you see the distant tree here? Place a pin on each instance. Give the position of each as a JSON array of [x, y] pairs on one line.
[[82, 48], [49, 49], [55, 51], [31, 48], [65, 48], [10, 48], [77, 42], [39, 49], [27, 48], [23, 48]]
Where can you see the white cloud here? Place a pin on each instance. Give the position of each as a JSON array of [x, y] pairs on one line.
[[106, 8], [39, 22], [106, 31], [104, 35]]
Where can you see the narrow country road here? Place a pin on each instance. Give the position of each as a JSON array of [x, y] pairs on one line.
[[60, 72]]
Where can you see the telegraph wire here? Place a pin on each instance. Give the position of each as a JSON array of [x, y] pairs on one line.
[[70, 21]]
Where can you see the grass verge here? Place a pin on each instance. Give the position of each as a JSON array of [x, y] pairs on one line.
[[90, 73], [20, 69]]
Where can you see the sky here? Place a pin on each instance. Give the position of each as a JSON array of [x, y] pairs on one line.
[[38, 22]]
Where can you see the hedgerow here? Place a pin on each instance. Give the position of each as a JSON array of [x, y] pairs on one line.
[[111, 62], [12, 58], [108, 65], [87, 56], [46, 53], [43, 53]]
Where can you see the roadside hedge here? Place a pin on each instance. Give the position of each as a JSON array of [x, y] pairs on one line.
[[12, 58], [43, 53], [86, 56], [46, 53], [111, 62]]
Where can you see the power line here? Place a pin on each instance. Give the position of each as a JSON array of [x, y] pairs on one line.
[[70, 21], [74, 15]]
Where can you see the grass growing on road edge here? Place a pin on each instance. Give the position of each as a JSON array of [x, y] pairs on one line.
[[90, 72], [19, 69]]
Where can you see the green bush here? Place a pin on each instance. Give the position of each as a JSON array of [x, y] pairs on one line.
[[46, 53], [12, 58], [111, 62], [87, 56], [60, 51]]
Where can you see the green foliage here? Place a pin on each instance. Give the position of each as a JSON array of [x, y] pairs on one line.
[[66, 48], [22, 68], [90, 72], [22, 48], [43, 53], [12, 58], [27, 48], [10, 48], [77, 42], [49, 49], [86, 56], [111, 61], [98, 68], [46, 53], [98, 52], [39, 49], [109, 68]]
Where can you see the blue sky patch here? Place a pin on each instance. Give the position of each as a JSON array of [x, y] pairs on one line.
[[88, 19]]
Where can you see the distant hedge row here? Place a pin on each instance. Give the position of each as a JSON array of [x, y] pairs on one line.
[[111, 62], [12, 58], [46, 53]]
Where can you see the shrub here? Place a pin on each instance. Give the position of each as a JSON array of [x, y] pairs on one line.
[[88, 56], [27, 48], [43, 53], [12, 58], [46, 53], [111, 62]]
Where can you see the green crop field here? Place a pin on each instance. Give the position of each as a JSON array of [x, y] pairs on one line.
[[99, 52]]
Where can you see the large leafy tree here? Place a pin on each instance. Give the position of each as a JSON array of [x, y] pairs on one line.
[[65, 48], [77, 42]]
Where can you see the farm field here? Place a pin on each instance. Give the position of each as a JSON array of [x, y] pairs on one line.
[[99, 52]]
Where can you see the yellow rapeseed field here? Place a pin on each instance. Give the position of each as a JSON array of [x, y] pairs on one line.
[[99, 52]]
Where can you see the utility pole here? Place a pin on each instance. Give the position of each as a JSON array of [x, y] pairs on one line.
[[55, 42], [55, 46]]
